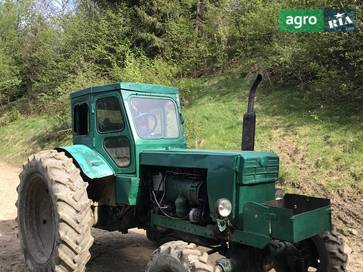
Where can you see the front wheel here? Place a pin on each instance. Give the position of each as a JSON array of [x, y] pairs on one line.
[[322, 253], [54, 214], [179, 256], [330, 255]]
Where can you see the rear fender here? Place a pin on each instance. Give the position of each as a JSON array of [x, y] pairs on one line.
[[92, 164]]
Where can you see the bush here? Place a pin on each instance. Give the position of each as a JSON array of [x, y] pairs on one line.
[[142, 69]]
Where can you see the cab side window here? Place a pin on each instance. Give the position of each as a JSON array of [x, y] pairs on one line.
[[80, 119], [109, 117]]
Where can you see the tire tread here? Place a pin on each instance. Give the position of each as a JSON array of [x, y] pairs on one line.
[[188, 255], [73, 209]]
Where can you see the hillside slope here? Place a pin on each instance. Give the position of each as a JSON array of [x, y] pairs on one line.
[[328, 141]]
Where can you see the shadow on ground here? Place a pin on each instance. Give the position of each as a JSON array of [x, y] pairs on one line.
[[112, 251]]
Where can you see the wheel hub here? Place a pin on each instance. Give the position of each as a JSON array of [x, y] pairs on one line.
[[39, 220]]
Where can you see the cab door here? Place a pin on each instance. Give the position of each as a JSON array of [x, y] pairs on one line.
[[112, 136]]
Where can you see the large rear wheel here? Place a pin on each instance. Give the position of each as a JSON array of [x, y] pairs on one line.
[[54, 214]]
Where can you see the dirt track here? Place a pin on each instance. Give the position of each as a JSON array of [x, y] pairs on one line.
[[111, 251]]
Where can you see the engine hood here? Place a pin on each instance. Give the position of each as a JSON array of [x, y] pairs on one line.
[[248, 167]]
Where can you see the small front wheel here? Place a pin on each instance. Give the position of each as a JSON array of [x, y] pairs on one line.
[[330, 255], [321, 253], [179, 256]]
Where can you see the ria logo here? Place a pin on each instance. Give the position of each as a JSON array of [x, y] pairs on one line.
[[342, 20]]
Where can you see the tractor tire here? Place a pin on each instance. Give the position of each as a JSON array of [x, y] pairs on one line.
[[54, 214], [330, 249], [179, 256], [323, 253]]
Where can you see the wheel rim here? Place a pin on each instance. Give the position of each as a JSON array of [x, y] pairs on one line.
[[39, 221]]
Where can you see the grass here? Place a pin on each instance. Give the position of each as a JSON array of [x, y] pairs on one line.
[[24, 137], [315, 142]]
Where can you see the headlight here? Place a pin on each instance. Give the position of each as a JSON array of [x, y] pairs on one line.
[[224, 207]]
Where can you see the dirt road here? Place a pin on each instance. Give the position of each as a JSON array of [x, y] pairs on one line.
[[111, 251]]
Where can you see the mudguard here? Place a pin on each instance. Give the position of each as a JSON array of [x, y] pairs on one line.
[[92, 164]]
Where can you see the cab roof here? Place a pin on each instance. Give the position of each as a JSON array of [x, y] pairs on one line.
[[138, 87]]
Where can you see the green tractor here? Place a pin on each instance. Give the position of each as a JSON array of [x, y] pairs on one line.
[[130, 167]]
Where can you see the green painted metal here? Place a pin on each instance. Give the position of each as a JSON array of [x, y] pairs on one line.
[[247, 238], [139, 87], [293, 224], [253, 193], [92, 164], [224, 173], [182, 226], [252, 238], [246, 178], [127, 189], [306, 225], [257, 168]]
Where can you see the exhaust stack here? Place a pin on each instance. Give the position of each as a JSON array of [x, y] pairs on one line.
[[249, 119]]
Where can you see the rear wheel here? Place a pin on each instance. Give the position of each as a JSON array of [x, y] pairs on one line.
[[54, 214], [179, 256]]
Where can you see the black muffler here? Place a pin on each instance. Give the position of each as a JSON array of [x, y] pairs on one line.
[[249, 118]]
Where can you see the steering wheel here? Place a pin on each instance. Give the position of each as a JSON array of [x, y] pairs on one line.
[[142, 120]]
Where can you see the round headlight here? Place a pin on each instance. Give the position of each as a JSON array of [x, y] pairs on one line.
[[224, 207]]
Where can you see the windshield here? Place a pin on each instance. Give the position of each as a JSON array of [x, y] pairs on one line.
[[154, 117]]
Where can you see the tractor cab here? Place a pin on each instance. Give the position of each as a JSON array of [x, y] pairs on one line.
[[120, 120]]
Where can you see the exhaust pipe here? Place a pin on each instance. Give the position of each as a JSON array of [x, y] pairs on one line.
[[249, 119]]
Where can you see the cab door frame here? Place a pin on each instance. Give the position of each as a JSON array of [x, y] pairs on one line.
[[99, 137]]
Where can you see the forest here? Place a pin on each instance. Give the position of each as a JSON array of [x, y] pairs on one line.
[[49, 48]]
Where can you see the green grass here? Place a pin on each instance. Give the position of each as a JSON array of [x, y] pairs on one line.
[[315, 142], [24, 137]]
